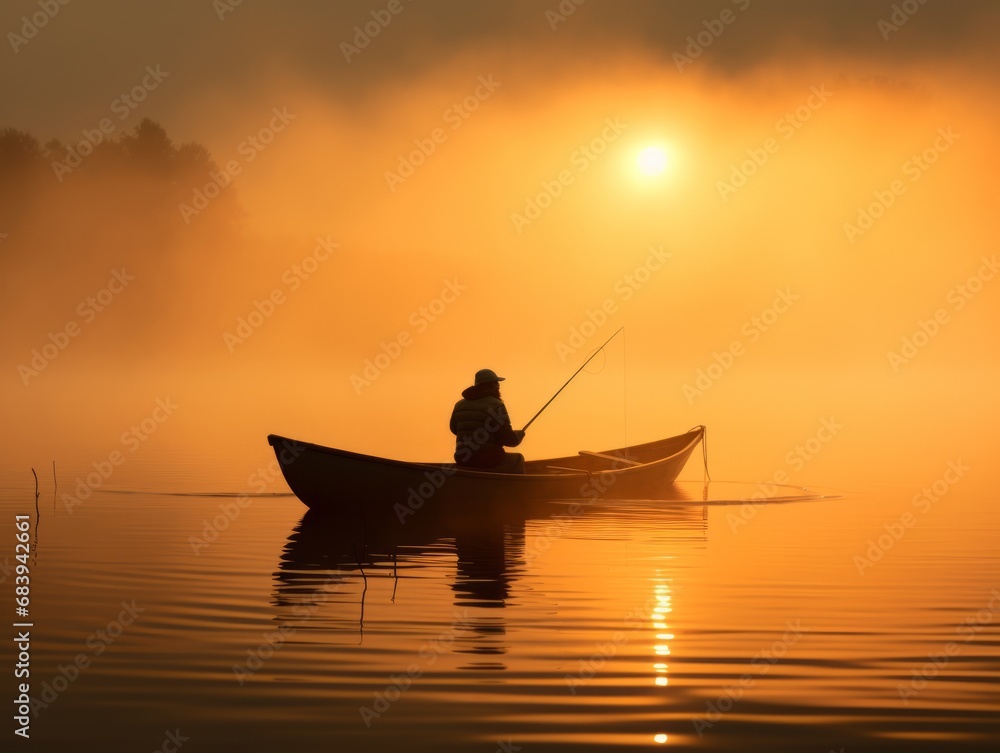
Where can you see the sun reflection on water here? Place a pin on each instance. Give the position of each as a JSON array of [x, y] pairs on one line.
[[662, 647]]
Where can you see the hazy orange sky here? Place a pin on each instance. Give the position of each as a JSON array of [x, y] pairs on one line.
[[461, 179]]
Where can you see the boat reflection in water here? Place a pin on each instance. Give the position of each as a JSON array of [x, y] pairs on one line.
[[321, 585]]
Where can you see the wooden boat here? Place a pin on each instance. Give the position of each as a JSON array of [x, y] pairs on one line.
[[334, 480]]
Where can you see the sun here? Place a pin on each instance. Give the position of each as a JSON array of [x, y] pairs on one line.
[[652, 160]]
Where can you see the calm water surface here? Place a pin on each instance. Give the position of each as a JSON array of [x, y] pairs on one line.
[[700, 625]]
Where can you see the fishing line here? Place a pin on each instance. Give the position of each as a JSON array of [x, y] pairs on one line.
[[604, 361], [582, 367], [625, 387]]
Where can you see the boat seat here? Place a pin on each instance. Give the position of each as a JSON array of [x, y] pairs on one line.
[[570, 470], [592, 454]]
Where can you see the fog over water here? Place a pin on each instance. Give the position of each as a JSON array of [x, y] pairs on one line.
[[819, 246], [224, 220]]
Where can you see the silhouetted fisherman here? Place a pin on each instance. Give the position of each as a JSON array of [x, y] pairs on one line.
[[482, 428]]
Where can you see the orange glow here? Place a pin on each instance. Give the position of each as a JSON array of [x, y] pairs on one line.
[[795, 224], [687, 270], [781, 231]]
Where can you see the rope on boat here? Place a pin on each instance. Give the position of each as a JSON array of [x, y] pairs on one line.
[[704, 449]]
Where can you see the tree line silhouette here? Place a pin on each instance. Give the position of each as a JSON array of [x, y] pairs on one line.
[[140, 173]]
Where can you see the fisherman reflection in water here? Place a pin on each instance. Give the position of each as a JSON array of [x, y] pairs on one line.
[[482, 428]]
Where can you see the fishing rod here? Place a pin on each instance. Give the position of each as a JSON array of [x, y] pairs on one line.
[[572, 378]]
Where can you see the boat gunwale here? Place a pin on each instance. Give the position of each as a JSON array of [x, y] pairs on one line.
[[696, 434]]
